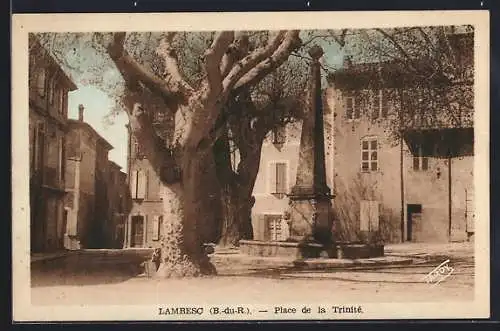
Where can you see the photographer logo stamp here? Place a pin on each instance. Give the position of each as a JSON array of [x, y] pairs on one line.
[[439, 274]]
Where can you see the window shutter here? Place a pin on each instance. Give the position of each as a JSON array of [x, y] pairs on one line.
[[356, 104], [145, 231], [384, 104], [40, 82], [374, 215], [52, 88], [156, 227], [376, 104], [364, 215], [416, 163], [60, 106], [146, 185], [133, 184], [281, 183], [369, 215], [349, 105], [272, 177], [141, 185], [260, 227], [425, 163]]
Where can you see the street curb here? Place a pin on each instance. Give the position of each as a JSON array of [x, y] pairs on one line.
[[51, 257], [332, 264], [314, 264]]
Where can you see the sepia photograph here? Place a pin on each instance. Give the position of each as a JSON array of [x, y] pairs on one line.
[[250, 166]]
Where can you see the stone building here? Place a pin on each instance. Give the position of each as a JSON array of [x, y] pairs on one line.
[[418, 187], [400, 182], [119, 204], [86, 204], [48, 112], [277, 175], [144, 223]]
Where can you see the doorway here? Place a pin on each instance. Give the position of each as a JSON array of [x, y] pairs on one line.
[[137, 233], [413, 213]]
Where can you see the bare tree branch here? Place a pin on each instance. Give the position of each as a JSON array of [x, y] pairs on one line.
[[213, 57], [235, 52], [131, 70], [339, 39], [398, 46], [251, 60], [172, 72], [141, 127], [280, 55]]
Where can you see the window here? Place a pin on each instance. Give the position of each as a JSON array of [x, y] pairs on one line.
[[138, 184], [52, 90], [61, 160], [420, 163], [369, 155], [38, 146], [279, 134], [279, 178], [139, 154], [380, 106], [274, 227], [157, 223], [40, 82], [62, 106], [352, 110]]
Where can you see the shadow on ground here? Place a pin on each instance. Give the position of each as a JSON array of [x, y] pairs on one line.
[[86, 268], [413, 273], [99, 268]]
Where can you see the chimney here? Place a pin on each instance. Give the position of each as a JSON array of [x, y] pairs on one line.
[[80, 112], [347, 61]]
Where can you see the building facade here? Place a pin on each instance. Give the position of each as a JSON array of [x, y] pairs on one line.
[[392, 185], [86, 204], [277, 175], [119, 204], [145, 220], [400, 189], [48, 113]]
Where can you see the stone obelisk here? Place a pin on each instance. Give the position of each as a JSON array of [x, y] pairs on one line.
[[310, 211]]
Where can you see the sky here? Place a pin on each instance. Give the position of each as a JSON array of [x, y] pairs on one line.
[[97, 104]]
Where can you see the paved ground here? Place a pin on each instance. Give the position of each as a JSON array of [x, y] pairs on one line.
[[63, 282]]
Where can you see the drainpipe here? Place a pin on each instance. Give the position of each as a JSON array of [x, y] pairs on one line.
[[449, 198], [401, 168]]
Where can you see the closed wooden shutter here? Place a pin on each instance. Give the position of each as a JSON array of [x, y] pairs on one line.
[[260, 227], [369, 215], [281, 177], [272, 177], [133, 184], [156, 227], [349, 107], [141, 184], [376, 105], [374, 215], [364, 215]]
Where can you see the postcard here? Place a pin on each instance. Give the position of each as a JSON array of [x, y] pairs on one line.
[[250, 166]]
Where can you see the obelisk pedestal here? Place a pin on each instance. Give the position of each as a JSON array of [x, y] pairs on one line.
[[310, 213]]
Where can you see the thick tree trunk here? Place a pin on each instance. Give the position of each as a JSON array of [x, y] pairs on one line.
[[182, 250], [230, 227], [236, 191], [195, 112]]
